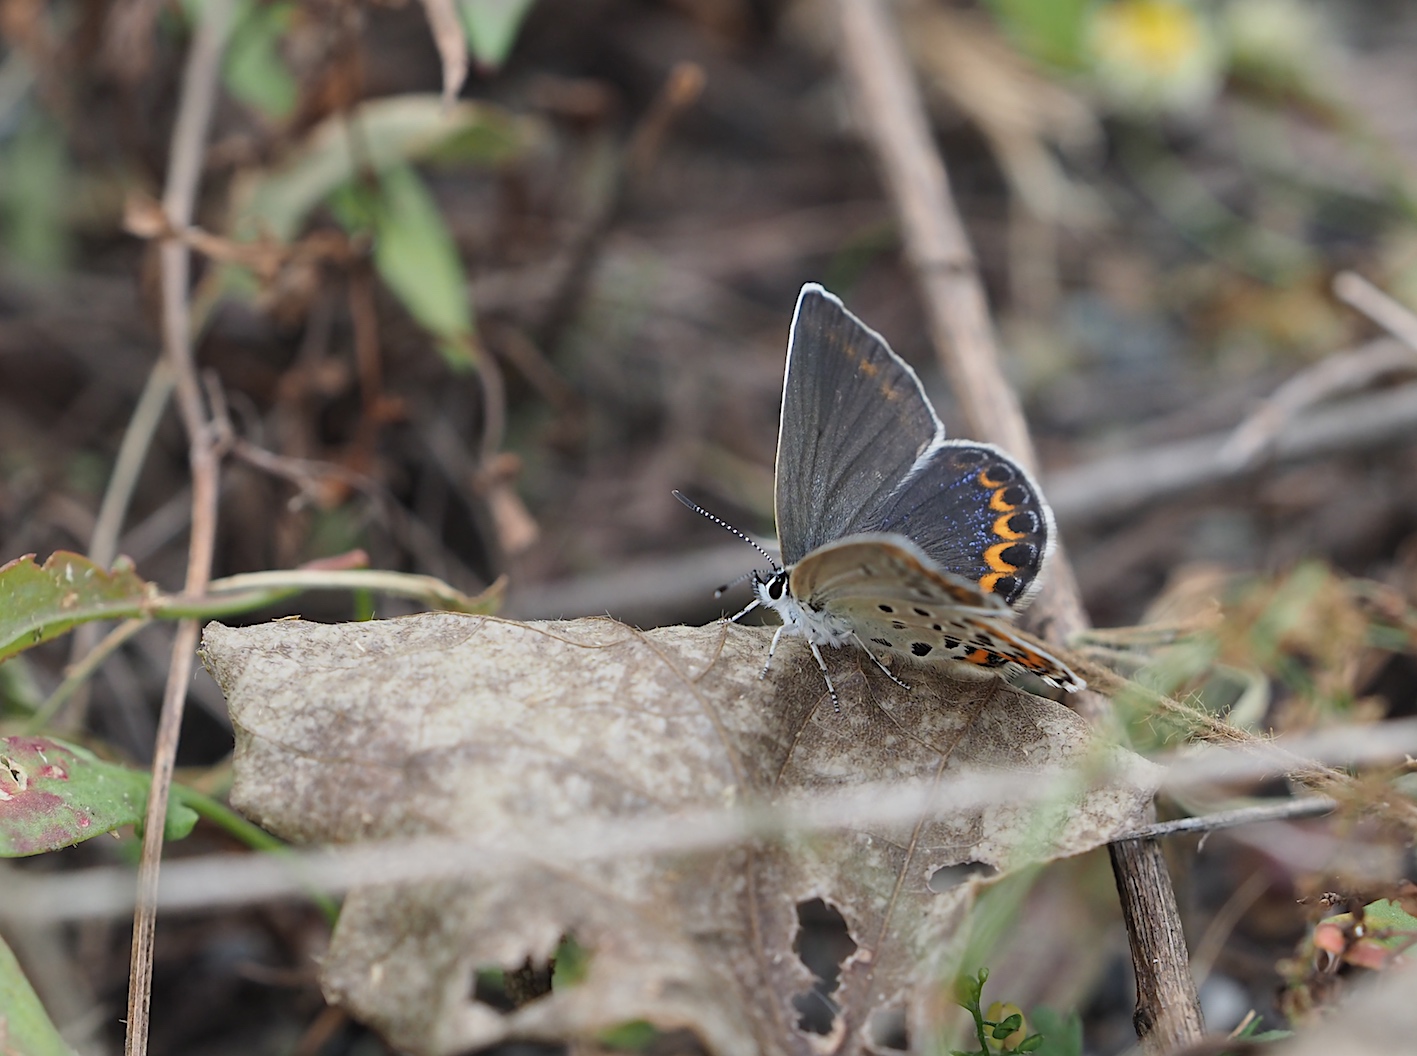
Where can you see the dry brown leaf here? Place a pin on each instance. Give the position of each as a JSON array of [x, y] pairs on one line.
[[484, 729], [448, 35]]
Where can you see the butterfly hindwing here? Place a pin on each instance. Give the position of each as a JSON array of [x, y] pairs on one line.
[[854, 421], [889, 571], [977, 513]]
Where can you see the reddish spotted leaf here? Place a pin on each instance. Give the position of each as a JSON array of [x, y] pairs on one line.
[[54, 795]]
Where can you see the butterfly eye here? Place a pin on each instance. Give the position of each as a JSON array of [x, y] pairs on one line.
[[776, 587]]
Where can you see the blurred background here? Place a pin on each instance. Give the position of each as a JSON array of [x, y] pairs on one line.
[[488, 339]]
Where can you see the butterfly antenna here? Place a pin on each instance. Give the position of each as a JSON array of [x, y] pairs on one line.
[[729, 586], [724, 524]]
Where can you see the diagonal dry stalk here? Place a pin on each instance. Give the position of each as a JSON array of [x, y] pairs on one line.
[[893, 119], [198, 97]]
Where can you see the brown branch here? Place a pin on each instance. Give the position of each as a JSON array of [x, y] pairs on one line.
[[198, 97], [893, 119]]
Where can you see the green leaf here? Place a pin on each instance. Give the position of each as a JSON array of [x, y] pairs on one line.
[[969, 989], [39, 603], [1050, 30], [55, 795], [491, 27], [571, 963], [35, 194], [25, 1026], [633, 1036], [369, 140], [1059, 1035], [254, 70], [1007, 1026], [416, 258], [1388, 916]]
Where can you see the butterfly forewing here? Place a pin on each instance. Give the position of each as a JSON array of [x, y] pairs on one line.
[[977, 514], [854, 422]]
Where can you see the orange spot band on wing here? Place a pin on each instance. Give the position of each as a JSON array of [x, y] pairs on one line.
[[988, 481], [998, 505], [989, 582], [1031, 660], [994, 558], [1003, 531], [977, 656]]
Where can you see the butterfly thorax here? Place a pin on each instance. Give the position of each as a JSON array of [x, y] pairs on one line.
[[819, 627]]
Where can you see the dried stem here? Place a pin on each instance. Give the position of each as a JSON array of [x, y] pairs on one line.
[[198, 97], [893, 119]]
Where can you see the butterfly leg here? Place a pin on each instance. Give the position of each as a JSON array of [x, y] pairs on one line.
[[883, 667], [745, 610], [772, 649], [836, 704]]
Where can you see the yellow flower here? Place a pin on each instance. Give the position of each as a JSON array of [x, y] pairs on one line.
[[1154, 55]]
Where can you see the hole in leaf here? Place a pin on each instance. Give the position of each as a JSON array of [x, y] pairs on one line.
[[886, 1029], [949, 876], [508, 989], [823, 943]]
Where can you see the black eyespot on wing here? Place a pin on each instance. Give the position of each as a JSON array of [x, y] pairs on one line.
[[1020, 555], [921, 648], [1025, 522], [922, 612], [970, 457], [1007, 587], [936, 627], [951, 643], [1000, 473], [1015, 495], [885, 608]]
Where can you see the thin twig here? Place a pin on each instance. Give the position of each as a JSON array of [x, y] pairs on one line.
[[1360, 294], [78, 673], [1100, 491], [894, 122], [680, 91], [1334, 375], [219, 880], [196, 102], [1286, 810], [132, 454], [103, 542]]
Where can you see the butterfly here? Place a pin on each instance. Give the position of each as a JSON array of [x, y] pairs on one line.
[[894, 538]]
